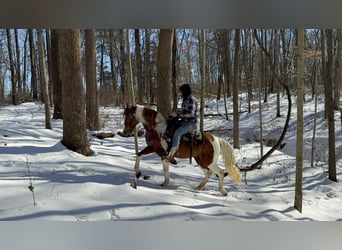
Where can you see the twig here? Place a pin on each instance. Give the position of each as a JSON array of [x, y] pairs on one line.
[[30, 187]]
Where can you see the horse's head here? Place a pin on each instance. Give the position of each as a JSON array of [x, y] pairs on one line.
[[130, 119]]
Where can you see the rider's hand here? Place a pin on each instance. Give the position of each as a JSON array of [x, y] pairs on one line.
[[173, 114]]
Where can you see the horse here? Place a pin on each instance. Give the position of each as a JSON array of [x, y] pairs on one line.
[[206, 154]]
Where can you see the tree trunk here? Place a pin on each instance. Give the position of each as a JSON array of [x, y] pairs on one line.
[[236, 132], [55, 74], [74, 121], [300, 121], [13, 77], [202, 70], [138, 59], [43, 82], [112, 64], [122, 66], [174, 72], [338, 71], [92, 109], [164, 71], [49, 67], [18, 71], [328, 86], [25, 89], [34, 85], [147, 69]]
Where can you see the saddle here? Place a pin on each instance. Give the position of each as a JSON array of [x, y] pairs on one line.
[[195, 137]]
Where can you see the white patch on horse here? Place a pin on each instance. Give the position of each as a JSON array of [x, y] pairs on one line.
[[160, 124], [139, 114]]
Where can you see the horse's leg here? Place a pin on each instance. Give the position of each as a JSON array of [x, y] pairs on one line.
[[166, 173], [208, 174], [220, 173], [145, 151]]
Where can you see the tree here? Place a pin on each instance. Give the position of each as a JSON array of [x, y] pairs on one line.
[[112, 64], [43, 82], [202, 70], [74, 121], [338, 71], [328, 89], [164, 71], [13, 76], [174, 72], [17, 68], [300, 120], [236, 133], [141, 87], [56, 79], [34, 85], [92, 109], [122, 67]]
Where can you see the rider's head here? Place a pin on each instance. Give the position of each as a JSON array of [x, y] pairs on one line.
[[185, 89]]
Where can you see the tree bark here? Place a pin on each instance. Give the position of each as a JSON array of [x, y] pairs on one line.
[[13, 76], [43, 83], [202, 70], [74, 121], [92, 107], [18, 71], [123, 71], [164, 71], [338, 71], [141, 87], [328, 86], [236, 132], [34, 85], [55, 74], [300, 120], [112, 64]]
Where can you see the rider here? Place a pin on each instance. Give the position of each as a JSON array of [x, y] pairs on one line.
[[188, 118]]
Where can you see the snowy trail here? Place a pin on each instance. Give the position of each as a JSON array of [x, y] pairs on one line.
[[72, 187]]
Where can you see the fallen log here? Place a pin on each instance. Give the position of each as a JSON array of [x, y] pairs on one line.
[[103, 135]]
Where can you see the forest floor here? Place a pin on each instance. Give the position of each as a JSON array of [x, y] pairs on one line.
[[41, 179]]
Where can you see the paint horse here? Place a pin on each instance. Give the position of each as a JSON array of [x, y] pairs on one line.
[[206, 154]]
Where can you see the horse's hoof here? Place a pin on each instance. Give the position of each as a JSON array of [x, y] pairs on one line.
[[164, 184], [138, 175], [224, 193], [173, 161]]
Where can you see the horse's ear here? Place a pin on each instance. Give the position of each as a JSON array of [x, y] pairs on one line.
[[127, 105]]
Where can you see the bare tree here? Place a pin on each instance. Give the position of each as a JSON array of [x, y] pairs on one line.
[[55, 74], [236, 131], [112, 63], [34, 85], [328, 89], [43, 83], [74, 121], [203, 73], [164, 71], [13, 75], [123, 68], [92, 109], [300, 120], [338, 72], [174, 71], [18, 66], [138, 59]]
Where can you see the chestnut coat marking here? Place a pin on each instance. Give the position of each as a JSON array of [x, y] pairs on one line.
[[205, 154]]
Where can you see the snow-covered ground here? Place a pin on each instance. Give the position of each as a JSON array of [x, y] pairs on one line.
[[71, 187]]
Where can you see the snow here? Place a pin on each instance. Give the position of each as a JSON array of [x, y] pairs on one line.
[[72, 187]]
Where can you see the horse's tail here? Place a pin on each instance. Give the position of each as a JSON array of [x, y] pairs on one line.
[[229, 161]]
